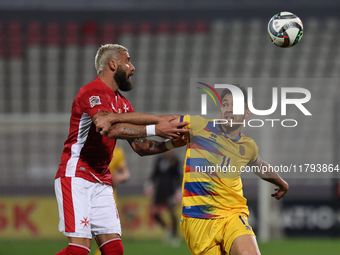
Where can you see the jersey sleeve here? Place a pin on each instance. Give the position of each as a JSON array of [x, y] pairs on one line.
[[255, 154], [196, 123], [95, 100], [185, 118]]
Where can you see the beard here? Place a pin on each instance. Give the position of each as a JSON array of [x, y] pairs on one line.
[[122, 80]]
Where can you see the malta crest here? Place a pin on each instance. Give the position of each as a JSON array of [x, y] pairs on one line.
[[242, 150], [126, 108]]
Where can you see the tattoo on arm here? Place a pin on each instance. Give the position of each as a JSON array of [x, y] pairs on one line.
[[157, 146], [145, 146], [126, 131], [139, 144], [140, 141], [152, 144]]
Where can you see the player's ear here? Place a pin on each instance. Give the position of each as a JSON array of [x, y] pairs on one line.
[[113, 65], [247, 113]]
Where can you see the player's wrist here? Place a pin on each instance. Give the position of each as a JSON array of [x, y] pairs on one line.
[[150, 130], [159, 118], [113, 118], [281, 183], [116, 118], [284, 185]]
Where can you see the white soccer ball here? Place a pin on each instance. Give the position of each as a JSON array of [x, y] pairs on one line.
[[285, 29]]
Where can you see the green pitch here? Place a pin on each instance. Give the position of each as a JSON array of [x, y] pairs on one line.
[[288, 246]]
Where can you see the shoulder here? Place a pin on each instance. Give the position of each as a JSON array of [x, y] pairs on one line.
[[248, 148], [248, 141], [92, 87], [197, 123], [246, 138], [195, 118]]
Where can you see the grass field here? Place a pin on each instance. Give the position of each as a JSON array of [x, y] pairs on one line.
[[288, 246]]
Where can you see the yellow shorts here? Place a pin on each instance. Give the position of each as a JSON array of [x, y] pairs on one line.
[[214, 236]]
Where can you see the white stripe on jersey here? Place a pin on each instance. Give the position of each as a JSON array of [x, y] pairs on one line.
[[83, 131]]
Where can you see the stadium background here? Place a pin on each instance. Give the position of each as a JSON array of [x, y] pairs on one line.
[[46, 55]]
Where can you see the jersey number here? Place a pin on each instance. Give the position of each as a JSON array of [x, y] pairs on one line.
[[227, 164]]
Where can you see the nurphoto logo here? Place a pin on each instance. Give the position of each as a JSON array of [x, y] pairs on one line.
[[238, 104]]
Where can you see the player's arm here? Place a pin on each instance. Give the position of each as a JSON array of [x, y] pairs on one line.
[[145, 147], [168, 127], [103, 122], [267, 173]]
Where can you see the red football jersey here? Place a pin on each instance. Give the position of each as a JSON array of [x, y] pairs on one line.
[[87, 154]]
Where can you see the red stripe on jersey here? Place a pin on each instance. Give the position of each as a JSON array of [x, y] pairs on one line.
[[187, 193], [189, 169], [196, 146], [184, 215], [69, 218]]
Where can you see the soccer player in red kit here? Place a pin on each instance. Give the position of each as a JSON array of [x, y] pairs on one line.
[[83, 181]]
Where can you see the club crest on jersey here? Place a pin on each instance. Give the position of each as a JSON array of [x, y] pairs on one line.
[[126, 108], [94, 100], [119, 110], [213, 137], [242, 150]]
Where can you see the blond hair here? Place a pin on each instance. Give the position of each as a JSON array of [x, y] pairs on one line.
[[105, 54]]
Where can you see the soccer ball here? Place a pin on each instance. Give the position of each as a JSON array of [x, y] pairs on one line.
[[285, 29]]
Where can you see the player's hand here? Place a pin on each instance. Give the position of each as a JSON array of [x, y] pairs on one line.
[[103, 123], [281, 190], [168, 129], [179, 141]]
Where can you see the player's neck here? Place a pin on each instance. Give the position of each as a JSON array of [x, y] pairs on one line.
[[108, 80], [231, 132]]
